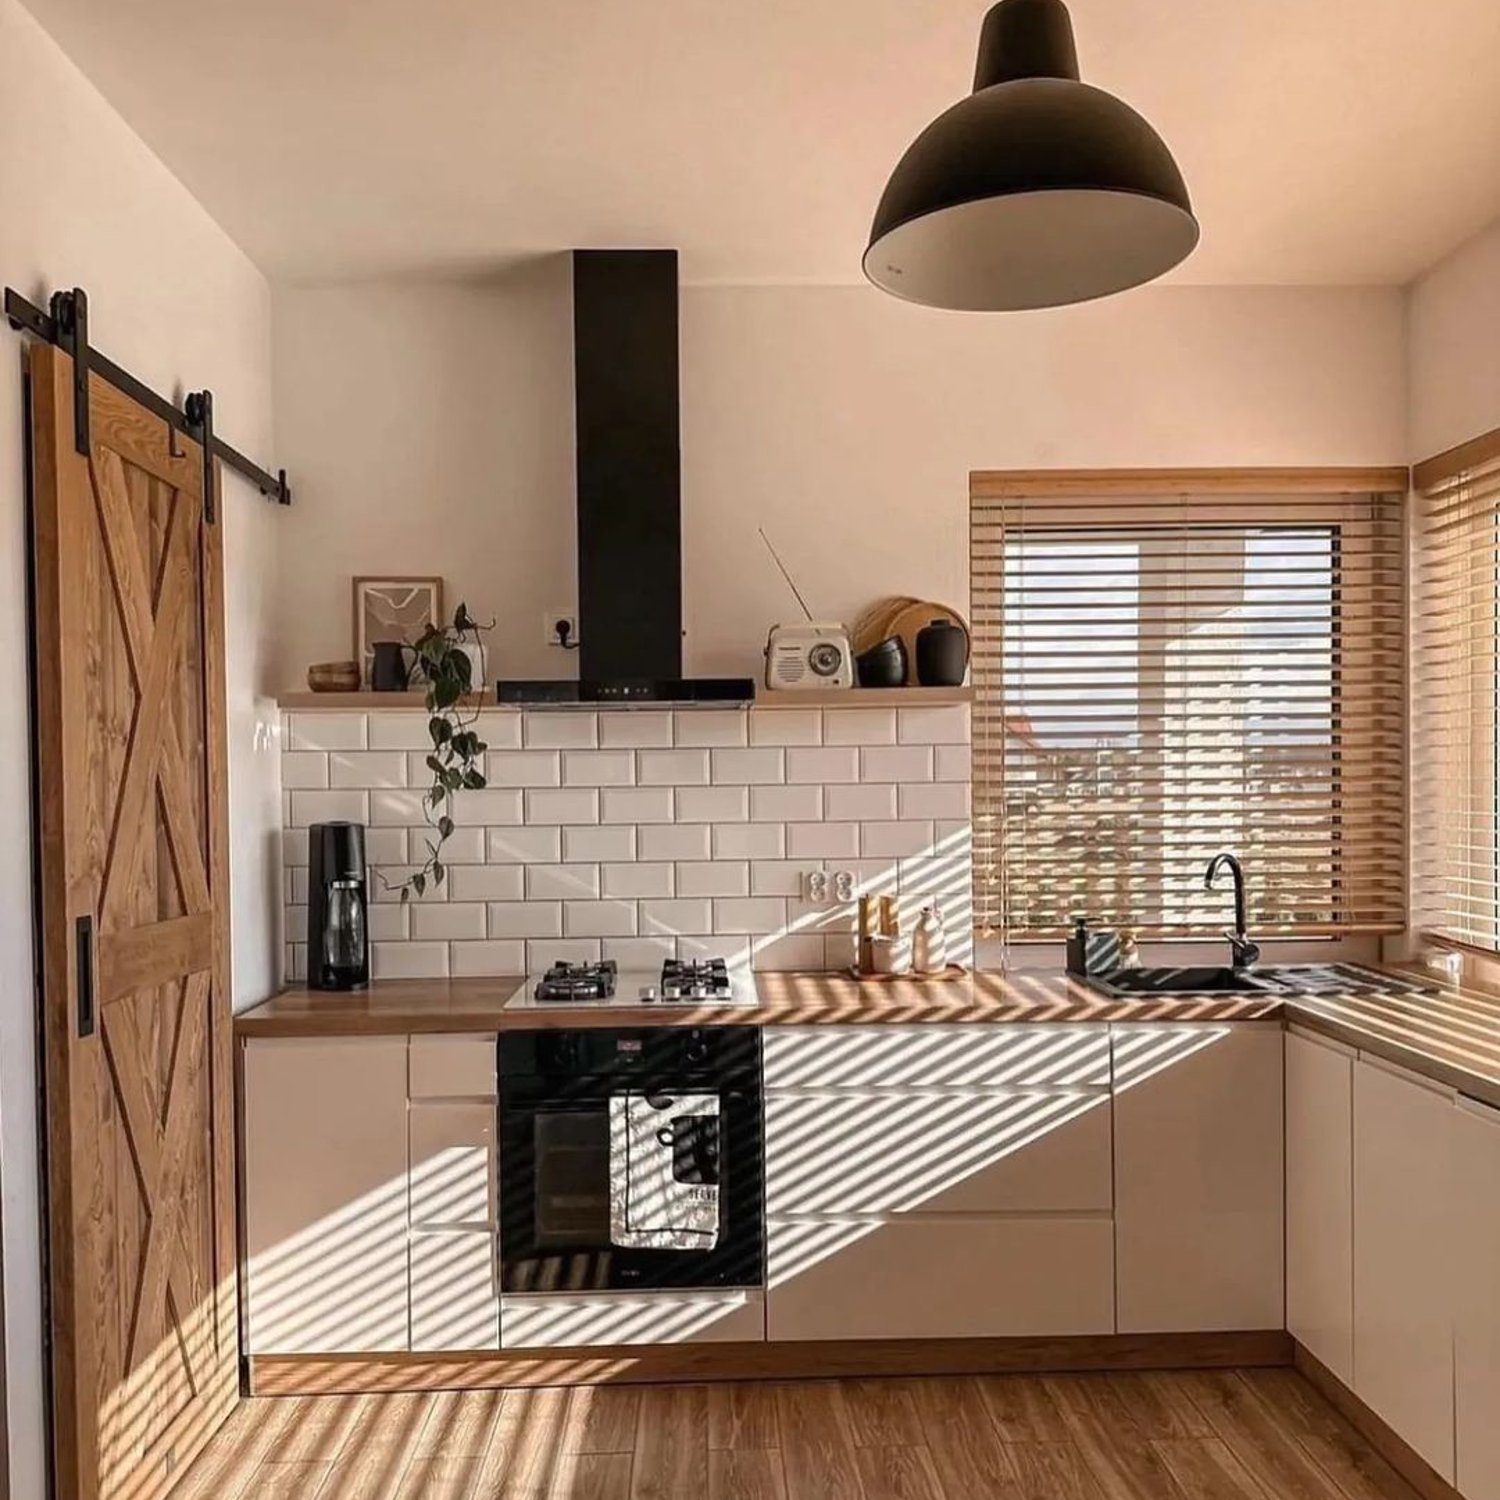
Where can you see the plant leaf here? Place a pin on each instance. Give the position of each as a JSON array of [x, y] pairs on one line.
[[419, 883], [445, 827]]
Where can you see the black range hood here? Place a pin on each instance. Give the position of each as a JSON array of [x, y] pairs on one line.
[[625, 375]]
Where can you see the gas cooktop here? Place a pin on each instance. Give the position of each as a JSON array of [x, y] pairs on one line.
[[679, 982]]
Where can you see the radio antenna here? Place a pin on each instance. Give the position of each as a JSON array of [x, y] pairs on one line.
[[792, 586]]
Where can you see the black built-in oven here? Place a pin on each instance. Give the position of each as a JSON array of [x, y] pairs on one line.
[[569, 1100]]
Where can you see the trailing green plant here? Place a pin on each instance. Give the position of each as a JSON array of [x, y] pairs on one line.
[[456, 759]]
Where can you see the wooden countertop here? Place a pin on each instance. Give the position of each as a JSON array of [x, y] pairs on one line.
[[1452, 1036]]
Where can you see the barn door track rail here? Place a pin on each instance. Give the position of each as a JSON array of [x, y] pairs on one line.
[[67, 326]]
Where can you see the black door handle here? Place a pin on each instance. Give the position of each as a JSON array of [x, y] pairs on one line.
[[83, 945]]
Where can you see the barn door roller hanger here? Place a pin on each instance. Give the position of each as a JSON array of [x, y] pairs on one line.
[[67, 326]]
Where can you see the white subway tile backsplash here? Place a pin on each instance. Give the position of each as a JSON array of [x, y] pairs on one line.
[[562, 882], [710, 727], [597, 844], [467, 959], [750, 914], [834, 763], [524, 845], [636, 804], [453, 920], [672, 767], [330, 731], [329, 807], [713, 804], [786, 804], [526, 919], [525, 768], [749, 841], [951, 763], [409, 960], [638, 729], [778, 877], [758, 767], [562, 805], [639, 835], [304, 770], [598, 768], [895, 840], [896, 763], [490, 807], [713, 878], [637, 879], [590, 919], [486, 883], [560, 729], [855, 804], [674, 841], [676, 917], [542, 952], [822, 840], [368, 768], [397, 809], [859, 726], [786, 726], [935, 799], [948, 725]]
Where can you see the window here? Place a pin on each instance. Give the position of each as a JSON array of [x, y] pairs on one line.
[[1159, 676], [1456, 855]]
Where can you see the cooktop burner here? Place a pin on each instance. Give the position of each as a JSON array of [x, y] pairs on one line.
[[706, 981], [698, 979], [564, 983]]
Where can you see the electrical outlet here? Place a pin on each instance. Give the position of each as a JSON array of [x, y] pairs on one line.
[[815, 888], [560, 628], [843, 886]]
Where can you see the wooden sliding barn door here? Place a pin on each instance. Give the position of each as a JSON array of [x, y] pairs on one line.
[[135, 891]]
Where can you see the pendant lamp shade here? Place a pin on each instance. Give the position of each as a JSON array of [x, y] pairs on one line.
[[1035, 191]]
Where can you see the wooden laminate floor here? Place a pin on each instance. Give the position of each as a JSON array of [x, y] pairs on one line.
[[1213, 1435]]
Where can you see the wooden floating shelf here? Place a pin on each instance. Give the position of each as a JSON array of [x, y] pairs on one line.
[[911, 697]]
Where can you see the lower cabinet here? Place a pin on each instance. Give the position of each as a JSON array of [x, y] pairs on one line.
[[1403, 1256], [1320, 1200], [1476, 1343], [325, 1182], [563, 1321], [1199, 1185]]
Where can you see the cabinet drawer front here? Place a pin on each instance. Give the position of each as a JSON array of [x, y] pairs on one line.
[[453, 1164], [455, 1301], [1035, 1055], [935, 1278], [619, 1318], [938, 1150], [452, 1067]]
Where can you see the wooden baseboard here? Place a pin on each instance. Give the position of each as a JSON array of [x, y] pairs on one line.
[[307, 1374], [1394, 1449]]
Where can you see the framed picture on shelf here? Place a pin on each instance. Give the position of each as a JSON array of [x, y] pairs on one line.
[[392, 609]]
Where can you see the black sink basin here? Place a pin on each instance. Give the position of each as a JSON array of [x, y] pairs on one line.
[[1186, 981]]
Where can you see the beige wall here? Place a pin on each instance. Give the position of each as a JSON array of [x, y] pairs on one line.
[[1454, 336], [172, 299], [430, 428]]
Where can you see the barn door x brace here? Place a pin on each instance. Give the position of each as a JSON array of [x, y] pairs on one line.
[[67, 326]]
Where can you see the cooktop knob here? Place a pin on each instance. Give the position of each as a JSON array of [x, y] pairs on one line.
[[648, 992]]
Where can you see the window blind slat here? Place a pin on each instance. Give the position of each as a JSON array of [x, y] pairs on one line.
[[1161, 677]]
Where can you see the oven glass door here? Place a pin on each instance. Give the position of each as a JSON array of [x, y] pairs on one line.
[[556, 1186]]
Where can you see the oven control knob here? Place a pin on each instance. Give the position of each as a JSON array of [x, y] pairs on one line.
[[696, 1050]]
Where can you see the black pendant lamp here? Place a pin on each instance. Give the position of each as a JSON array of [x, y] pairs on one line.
[[1035, 191]]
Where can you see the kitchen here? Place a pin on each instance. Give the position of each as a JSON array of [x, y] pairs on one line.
[[710, 1093]]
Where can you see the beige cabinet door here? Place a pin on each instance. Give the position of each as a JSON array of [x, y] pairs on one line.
[[1476, 1343], [1320, 1200], [1198, 1177], [325, 1162], [1403, 1260]]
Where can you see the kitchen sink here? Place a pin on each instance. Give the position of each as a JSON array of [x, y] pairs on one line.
[[1272, 979]]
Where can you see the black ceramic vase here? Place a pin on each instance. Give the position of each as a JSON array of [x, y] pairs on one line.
[[942, 654]]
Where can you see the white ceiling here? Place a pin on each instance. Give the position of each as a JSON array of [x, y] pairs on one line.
[[1323, 140]]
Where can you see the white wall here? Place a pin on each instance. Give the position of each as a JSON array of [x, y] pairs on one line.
[[1454, 342], [173, 300], [430, 428]]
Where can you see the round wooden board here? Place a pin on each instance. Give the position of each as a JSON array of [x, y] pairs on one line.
[[904, 617]]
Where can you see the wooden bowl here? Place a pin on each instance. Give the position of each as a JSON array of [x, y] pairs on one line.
[[333, 677]]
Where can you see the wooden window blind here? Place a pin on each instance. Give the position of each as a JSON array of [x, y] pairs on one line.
[[1159, 676], [1456, 671]]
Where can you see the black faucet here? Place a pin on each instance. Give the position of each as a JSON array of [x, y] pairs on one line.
[[1243, 953]]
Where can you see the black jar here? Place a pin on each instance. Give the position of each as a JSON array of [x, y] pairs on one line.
[[942, 654]]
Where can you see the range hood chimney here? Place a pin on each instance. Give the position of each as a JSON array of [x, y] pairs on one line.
[[625, 373]]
